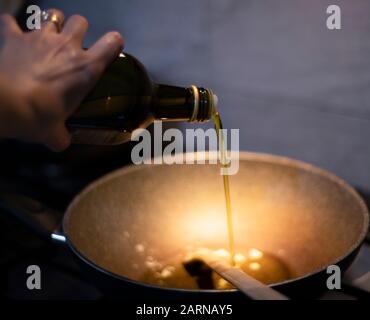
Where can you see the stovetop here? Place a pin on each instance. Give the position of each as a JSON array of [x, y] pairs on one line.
[[56, 184], [63, 279]]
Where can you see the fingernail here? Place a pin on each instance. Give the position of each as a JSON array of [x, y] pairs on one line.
[[117, 37]]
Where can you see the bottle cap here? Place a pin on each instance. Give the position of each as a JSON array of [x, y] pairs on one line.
[[204, 105]]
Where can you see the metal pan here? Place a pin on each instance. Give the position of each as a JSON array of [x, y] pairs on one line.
[[307, 217]]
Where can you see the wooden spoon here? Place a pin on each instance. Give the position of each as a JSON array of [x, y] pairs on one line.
[[197, 267]]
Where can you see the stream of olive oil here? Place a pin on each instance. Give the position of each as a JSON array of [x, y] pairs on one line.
[[262, 266], [221, 145]]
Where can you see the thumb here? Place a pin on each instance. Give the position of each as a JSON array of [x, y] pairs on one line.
[[58, 138]]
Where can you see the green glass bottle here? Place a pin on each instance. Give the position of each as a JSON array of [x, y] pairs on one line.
[[126, 99]]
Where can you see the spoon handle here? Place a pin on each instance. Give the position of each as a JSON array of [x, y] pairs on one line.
[[242, 281]]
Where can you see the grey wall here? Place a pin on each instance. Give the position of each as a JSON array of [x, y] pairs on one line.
[[291, 86]]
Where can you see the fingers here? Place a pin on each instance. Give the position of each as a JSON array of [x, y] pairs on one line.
[[54, 22], [58, 138], [76, 27], [106, 49], [95, 61], [9, 25]]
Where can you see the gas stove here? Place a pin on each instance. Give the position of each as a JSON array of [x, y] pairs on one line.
[[62, 278]]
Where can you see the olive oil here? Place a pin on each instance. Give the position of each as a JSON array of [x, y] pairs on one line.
[[179, 271], [126, 99], [186, 272], [218, 127]]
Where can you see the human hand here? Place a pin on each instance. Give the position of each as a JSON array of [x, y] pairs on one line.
[[45, 75]]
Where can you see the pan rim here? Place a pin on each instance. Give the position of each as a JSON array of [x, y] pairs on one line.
[[243, 156]]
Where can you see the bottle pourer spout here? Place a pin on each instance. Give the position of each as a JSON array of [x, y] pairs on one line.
[[204, 104]]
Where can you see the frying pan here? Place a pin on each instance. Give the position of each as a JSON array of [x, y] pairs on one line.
[[306, 216]]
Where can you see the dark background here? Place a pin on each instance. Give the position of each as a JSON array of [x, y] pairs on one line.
[[289, 84], [292, 86]]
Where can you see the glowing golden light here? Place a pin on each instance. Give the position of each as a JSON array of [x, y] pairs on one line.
[[139, 248], [239, 258], [222, 253], [204, 223], [167, 271], [255, 254], [254, 266]]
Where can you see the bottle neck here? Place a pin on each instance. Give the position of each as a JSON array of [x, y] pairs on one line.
[[192, 104]]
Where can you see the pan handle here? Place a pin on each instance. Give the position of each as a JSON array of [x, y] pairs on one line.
[[44, 221]]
